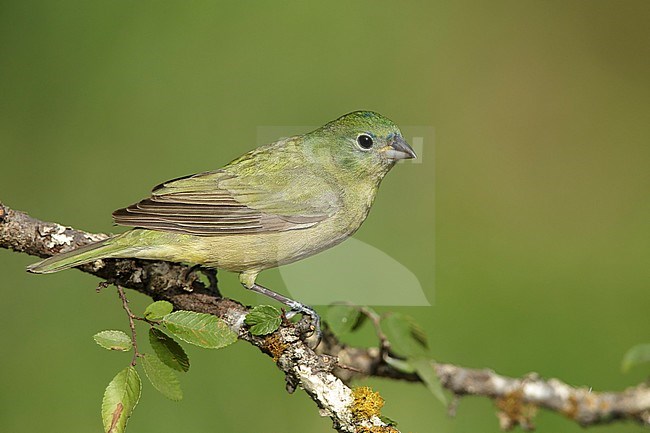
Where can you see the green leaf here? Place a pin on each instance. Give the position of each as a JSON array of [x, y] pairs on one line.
[[113, 340], [417, 332], [263, 319], [405, 336], [158, 310], [120, 398], [162, 377], [168, 350], [399, 364], [342, 318], [201, 329], [425, 368], [638, 354]]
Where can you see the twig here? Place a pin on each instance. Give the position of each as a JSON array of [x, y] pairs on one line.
[[125, 305], [375, 319]]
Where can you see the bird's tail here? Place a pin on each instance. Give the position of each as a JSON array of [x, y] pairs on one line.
[[86, 254]]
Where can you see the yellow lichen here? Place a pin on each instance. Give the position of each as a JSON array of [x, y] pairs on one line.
[[513, 411], [366, 404], [275, 346], [571, 410]]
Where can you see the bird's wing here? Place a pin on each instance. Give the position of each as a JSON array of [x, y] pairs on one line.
[[255, 194]]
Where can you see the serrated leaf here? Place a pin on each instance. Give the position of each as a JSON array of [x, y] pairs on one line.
[[120, 398], [158, 310], [404, 335], [263, 319], [162, 377], [168, 350], [425, 368], [638, 354], [204, 330], [113, 340], [342, 318]]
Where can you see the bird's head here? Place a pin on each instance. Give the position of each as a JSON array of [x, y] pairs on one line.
[[361, 143]]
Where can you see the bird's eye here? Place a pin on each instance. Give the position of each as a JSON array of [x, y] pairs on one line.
[[364, 141]]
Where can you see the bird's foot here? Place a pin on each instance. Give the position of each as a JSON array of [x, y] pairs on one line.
[[295, 308], [315, 333]]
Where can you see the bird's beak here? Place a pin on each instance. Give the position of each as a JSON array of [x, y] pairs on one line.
[[399, 149]]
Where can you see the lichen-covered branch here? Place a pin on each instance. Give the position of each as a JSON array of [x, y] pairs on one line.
[[169, 281], [517, 399], [324, 374]]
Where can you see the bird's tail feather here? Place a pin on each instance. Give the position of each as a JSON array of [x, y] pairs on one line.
[[86, 254]]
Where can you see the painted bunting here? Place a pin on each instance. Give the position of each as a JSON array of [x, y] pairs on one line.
[[274, 205]]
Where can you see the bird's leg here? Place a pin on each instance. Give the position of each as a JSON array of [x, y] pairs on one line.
[[295, 306]]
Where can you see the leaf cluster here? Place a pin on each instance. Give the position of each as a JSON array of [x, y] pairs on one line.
[[162, 365]]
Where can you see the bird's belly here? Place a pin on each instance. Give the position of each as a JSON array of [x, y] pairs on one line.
[[249, 252], [268, 250]]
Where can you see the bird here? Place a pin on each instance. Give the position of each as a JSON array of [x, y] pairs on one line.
[[274, 205]]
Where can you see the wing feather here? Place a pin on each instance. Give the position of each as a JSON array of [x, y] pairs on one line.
[[235, 201]]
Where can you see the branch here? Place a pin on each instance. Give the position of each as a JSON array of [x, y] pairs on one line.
[[516, 398], [169, 281], [321, 374]]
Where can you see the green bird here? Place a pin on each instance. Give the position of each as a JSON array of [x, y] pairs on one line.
[[274, 205]]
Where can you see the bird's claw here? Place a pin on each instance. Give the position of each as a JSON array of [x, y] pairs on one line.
[[316, 334], [295, 308]]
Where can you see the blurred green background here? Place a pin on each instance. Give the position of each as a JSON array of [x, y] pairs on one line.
[[527, 222]]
